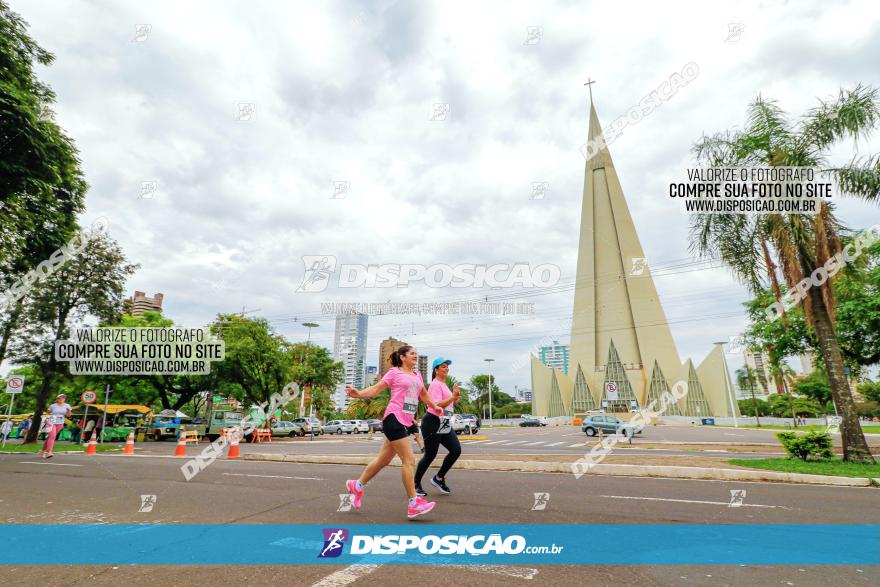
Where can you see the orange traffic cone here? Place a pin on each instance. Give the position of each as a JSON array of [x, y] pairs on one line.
[[233, 447], [129, 444], [181, 445], [92, 446]]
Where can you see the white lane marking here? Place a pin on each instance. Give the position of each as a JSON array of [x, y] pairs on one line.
[[555, 444], [750, 505], [577, 445], [496, 442], [505, 570], [534, 443], [345, 576], [474, 441], [514, 442], [274, 476], [53, 464]]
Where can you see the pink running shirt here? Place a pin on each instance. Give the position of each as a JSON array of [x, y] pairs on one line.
[[405, 389]]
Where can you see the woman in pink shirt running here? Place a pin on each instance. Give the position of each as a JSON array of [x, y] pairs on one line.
[[407, 388]]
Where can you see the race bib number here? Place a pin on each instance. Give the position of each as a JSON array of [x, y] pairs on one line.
[[410, 406], [56, 419], [448, 412]]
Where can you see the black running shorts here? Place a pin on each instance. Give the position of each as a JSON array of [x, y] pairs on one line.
[[393, 429]]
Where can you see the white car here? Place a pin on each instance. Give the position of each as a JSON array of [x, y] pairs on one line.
[[338, 427], [359, 426]]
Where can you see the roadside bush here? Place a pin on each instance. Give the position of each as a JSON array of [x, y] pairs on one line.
[[804, 446]]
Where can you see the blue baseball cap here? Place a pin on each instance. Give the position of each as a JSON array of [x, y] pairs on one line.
[[439, 361]]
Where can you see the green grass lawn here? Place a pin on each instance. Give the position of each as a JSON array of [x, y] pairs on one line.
[[835, 467], [865, 429], [15, 446]]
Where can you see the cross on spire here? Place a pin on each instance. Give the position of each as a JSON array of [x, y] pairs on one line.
[[589, 85]]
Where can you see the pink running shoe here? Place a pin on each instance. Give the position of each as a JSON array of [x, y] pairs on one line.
[[421, 507], [356, 494]]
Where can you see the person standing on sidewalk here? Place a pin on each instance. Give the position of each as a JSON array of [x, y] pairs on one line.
[[54, 423], [437, 428], [23, 427], [6, 429], [407, 388]]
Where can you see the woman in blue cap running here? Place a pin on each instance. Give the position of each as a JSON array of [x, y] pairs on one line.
[[437, 428]]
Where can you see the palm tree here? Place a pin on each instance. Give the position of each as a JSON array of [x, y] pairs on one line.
[[745, 378], [758, 248]]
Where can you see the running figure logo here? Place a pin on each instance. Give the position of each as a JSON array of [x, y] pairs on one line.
[[737, 497], [344, 502], [541, 500], [319, 268], [334, 540], [147, 503]]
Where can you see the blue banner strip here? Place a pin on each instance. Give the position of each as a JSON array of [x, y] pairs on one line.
[[537, 544]]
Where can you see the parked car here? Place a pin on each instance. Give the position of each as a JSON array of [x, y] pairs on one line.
[[471, 422], [338, 427], [477, 423], [285, 428], [609, 425], [375, 425], [533, 420], [309, 425], [359, 426], [529, 421]]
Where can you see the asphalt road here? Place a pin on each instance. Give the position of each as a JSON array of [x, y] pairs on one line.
[[78, 489], [551, 440]]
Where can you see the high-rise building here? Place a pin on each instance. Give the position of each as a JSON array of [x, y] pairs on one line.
[[350, 347], [622, 353], [372, 373], [760, 362], [807, 360], [140, 303], [423, 369], [386, 347], [555, 356]]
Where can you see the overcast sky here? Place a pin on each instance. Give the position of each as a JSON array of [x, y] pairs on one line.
[[346, 92]]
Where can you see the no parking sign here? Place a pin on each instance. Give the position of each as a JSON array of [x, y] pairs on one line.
[[611, 390], [15, 384]]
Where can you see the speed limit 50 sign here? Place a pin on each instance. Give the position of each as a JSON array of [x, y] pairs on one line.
[[89, 397], [15, 384]]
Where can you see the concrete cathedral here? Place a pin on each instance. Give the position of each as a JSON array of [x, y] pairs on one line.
[[622, 355]]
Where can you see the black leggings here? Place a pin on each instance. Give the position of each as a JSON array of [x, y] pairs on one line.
[[430, 425]]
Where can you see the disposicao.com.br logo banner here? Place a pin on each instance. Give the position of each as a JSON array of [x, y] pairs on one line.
[[438, 544]]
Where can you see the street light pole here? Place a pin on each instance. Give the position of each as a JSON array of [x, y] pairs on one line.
[[490, 361], [302, 393], [104, 415]]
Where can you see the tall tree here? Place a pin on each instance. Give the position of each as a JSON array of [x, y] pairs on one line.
[[757, 248], [745, 379], [90, 283], [257, 361], [41, 185]]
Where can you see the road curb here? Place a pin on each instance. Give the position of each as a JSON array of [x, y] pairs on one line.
[[617, 470]]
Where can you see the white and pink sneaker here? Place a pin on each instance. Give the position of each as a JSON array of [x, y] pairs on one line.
[[421, 507], [356, 494]]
